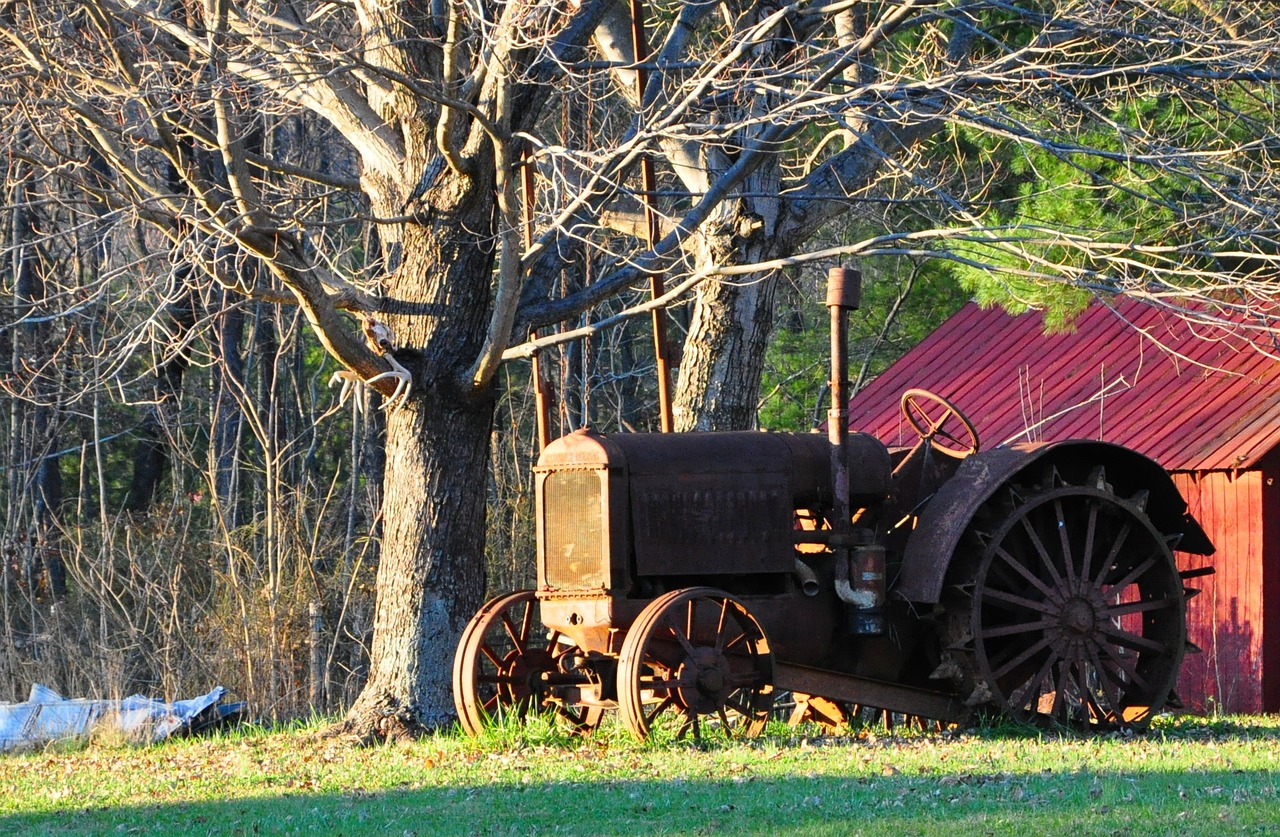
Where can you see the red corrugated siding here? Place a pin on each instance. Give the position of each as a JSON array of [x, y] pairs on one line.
[[1192, 397], [1270, 561], [1226, 619]]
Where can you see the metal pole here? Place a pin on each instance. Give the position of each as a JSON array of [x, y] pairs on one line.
[[844, 291], [648, 187], [541, 386], [860, 566]]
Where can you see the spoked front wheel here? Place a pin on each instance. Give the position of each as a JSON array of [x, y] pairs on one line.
[[695, 662], [507, 664]]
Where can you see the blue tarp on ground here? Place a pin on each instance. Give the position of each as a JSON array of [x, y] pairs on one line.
[[47, 717]]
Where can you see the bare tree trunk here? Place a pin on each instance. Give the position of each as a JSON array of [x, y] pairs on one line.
[[429, 579], [431, 575], [723, 357], [31, 350], [227, 422], [151, 456], [719, 384]]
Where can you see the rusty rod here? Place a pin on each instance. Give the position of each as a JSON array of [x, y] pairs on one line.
[[541, 386], [860, 570], [648, 187], [843, 291]]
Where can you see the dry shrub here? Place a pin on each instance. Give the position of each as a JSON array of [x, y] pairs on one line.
[[160, 605]]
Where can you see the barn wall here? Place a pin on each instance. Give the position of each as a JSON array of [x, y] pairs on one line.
[[1270, 466], [1226, 619]]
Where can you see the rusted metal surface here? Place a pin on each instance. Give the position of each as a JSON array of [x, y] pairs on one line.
[[867, 692], [1090, 631], [1128, 374], [1195, 398], [802, 459], [706, 503], [506, 664], [866, 575], [944, 521], [693, 653], [840, 292], [844, 288], [590, 521], [683, 488], [859, 571], [677, 526], [542, 394], [580, 449], [870, 470], [663, 558], [940, 423]]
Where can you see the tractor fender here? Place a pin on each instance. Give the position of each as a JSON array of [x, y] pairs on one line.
[[942, 523]]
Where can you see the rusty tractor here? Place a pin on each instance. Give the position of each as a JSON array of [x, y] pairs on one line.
[[687, 579]]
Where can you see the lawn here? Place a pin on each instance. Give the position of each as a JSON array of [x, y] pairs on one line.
[[1188, 775]]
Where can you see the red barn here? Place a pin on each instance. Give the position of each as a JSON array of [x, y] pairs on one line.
[[1202, 401]]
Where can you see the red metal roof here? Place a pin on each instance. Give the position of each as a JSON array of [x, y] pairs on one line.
[[1191, 395]]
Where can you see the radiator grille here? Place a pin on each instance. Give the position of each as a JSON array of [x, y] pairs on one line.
[[573, 529]]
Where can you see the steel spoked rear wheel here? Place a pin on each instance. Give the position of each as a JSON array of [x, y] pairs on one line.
[[695, 662], [504, 663], [1077, 612]]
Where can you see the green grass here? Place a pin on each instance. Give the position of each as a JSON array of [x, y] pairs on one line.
[[1184, 776]]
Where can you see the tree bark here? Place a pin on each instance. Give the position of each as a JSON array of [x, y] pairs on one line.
[[151, 455], [724, 353], [723, 358], [227, 420], [32, 348], [430, 581], [431, 577]]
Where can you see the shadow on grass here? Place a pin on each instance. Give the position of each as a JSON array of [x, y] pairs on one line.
[[1222, 801], [1221, 729], [1189, 727]]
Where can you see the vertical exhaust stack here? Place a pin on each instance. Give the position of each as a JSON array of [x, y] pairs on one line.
[[860, 582], [844, 293]]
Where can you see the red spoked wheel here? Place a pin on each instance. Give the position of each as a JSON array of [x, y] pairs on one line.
[[695, 662], [507, 664]]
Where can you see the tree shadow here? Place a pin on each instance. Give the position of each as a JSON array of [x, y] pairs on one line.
[[1190, 727]]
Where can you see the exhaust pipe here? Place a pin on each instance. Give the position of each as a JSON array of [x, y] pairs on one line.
[[860, 581], [844, 292]]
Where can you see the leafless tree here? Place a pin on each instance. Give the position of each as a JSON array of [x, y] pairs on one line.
[[501, 169]]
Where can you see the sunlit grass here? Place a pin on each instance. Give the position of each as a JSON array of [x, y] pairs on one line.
[[1209, 776]]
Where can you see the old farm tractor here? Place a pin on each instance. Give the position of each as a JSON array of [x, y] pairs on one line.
[[685, 580]]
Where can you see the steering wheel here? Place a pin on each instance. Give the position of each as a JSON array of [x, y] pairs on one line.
[[931, 417]]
